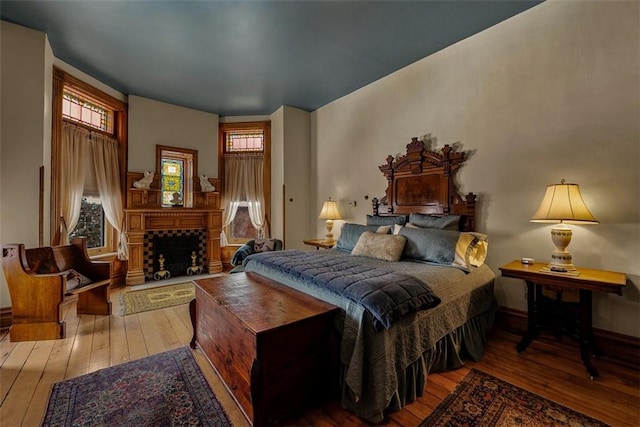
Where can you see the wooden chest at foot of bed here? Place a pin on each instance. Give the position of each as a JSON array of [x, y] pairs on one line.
[[272, 345]]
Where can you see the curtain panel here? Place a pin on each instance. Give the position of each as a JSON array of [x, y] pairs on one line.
[[107, 168], [72, 156], [244, 182], [78, 145]]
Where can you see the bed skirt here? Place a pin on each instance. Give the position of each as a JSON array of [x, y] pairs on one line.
[[448, 353]]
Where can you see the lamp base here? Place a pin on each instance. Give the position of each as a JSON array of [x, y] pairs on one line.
[[561, 261], [561, 258], [329, 226]]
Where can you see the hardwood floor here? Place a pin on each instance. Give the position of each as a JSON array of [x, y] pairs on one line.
[[549, 368]]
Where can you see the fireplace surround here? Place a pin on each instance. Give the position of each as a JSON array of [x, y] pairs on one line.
[[139, 222]]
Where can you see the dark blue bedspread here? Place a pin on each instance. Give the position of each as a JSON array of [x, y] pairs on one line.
[[385, 294]]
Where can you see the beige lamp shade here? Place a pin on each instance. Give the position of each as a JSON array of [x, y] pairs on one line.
[[563, 203], [329, 212]]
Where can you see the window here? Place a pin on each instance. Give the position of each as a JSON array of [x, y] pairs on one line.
[[244, 149], [83, 110], [93, 224], [177, 168], [80, 104], [172, 179], [244, 141], [79, 109], [241, 227]]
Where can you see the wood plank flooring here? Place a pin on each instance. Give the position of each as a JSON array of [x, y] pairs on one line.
[[549, 368]]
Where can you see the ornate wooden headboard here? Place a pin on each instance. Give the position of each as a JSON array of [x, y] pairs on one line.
[[421, 181]]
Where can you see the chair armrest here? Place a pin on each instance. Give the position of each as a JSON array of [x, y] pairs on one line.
[[241, 253]]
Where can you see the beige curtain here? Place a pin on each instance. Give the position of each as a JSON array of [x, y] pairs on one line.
[[105, 161], [74, 142], [244, 181]]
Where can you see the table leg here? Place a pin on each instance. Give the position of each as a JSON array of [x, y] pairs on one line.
[[192, 314], [533, 292], [586, 333]]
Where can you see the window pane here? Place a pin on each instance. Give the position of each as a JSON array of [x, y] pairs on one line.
[[75, 107], [172, 180], [66, 107], [91, 223], [241, 227], [250, 140]]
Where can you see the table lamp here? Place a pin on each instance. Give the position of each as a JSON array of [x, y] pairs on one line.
[[563, 203], [329, 212]]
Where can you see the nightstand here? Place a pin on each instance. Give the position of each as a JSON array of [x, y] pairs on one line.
[[583, 279], [320, 243]]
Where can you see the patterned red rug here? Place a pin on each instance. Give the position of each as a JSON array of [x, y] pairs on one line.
[[166, 389], [483, 400]]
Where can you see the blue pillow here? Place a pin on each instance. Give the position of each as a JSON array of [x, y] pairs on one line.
[[447, 222], [350, 234], [430, 244], [386, 220]]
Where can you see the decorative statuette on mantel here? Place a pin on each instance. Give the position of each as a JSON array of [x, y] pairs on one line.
[[145, 182], [206, 186]]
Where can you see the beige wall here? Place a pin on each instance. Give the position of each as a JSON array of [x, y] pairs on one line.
[[154, 122], [290, 157], [549, 94], [25, 122]]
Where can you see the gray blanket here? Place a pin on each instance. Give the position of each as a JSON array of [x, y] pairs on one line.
[[386, 295]]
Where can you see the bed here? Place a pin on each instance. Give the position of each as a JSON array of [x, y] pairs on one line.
[[387, 348]]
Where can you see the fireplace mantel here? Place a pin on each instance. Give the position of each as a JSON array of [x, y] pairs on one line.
[[141, 221]]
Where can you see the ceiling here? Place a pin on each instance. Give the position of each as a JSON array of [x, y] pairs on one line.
[[250, 57]]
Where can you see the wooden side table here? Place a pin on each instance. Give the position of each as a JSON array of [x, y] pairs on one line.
[[584, 279], [320, 243]]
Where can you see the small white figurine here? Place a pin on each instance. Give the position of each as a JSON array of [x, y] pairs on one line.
[[145, 182], [206, 185]]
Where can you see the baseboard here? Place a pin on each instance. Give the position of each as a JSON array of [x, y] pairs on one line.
[[5, 317], [620, 348]]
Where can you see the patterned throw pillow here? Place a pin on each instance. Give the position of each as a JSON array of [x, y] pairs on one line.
[[76, 280], [264, 245]]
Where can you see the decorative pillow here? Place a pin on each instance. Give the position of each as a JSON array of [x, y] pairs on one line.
[[387, 247], [463, 250], [471, 250], [430, 244], [447, 222], [76, 280], [264, 245], [386, 220], [42, 261], [350, 233]]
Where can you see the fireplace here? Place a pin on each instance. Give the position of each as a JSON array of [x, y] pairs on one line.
[[180, 250], [144, 225]]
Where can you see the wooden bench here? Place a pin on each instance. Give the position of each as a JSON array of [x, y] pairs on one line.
[[40, 284], [273, 346]]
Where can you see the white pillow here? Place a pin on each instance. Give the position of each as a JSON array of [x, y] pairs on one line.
[[387, 247]]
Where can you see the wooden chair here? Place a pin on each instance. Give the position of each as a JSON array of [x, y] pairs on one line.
[[41, 281]]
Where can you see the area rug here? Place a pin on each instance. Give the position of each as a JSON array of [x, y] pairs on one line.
[[166, 389], [154, 298], [483, 400]]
